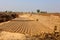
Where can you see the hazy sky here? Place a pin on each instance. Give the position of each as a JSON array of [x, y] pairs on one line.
[[30, 5]]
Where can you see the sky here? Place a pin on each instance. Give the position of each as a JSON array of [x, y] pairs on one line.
[[30, 5]]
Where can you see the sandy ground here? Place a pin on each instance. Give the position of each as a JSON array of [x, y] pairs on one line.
[[11, 36], [47, 21], [4, 22]]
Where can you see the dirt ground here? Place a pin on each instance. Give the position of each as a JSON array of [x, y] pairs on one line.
[[41, 23]]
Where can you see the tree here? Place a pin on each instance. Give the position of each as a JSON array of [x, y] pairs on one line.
[[6, 11], [38, 10]]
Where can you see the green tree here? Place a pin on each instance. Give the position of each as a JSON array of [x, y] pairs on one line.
[[38, 11]]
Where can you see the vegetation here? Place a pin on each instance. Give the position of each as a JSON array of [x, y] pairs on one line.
[[43, 12], [38, 11], [45, 36], [6, 16]]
